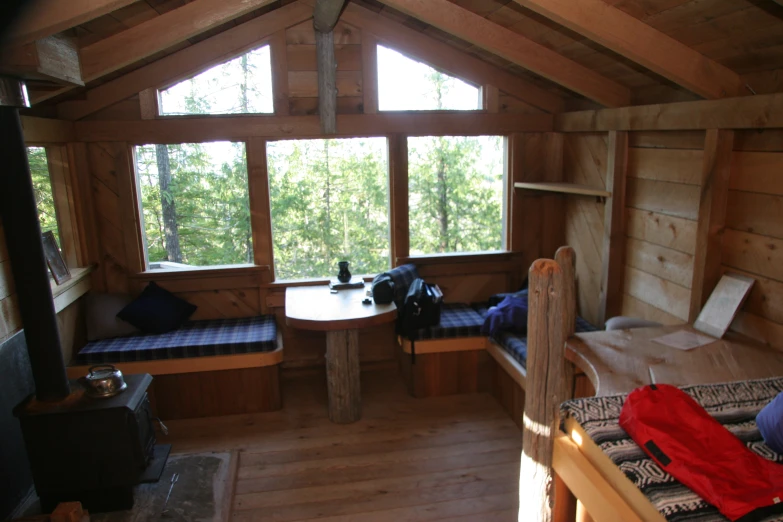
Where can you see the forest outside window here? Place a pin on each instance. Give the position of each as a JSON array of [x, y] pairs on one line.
[[329, 202], [239, 86], [456, 194], [195, 204], [44, 195], [407, 85]]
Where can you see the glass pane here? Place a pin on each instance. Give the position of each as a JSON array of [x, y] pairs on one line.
[[195, 204], [455, 199], [240, 86], [42, 186], [408, 85], [329, 203]]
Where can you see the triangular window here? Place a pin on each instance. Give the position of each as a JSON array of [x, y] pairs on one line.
[[242, 85], [407, 85]]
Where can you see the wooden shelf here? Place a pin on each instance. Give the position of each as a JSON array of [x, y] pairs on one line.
[[72, 289], [565, 188]]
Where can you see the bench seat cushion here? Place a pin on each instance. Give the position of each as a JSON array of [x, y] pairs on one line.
[[456, 320], [193, 339], [516, 345]]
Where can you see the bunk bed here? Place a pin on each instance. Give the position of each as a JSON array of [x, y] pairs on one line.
[[587, 450]]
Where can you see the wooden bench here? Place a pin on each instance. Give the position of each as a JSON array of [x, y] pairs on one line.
[[208, 386]]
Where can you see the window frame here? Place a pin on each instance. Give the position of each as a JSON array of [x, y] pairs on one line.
[[507, 186], [133, 206], [150, 99]]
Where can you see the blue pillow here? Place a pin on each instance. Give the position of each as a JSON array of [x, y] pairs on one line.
[[510, 314], [157, 311], [770, 423]]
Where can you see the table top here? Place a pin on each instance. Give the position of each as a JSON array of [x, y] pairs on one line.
[[619, 361], [316, 308]]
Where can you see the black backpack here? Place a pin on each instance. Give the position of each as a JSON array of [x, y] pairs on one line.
[[421, 308]]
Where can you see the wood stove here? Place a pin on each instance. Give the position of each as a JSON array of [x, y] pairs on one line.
[[80, 448], [92, 450]]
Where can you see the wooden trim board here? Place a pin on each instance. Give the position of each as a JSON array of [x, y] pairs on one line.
[[514, 370], [459, 344], [564, 188], [192, 364]]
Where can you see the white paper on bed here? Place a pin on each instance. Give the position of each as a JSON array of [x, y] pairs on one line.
[[683, 340], [723, 304]]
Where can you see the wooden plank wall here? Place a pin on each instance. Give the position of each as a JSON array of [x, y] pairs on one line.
[[584, 162], [753, 239], [662, 209], [10, 322]]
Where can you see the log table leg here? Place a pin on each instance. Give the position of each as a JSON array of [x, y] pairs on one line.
[[342, 375]]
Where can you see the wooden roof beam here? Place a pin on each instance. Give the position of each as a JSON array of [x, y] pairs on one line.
[[54, 58], [325, 17], [516, 48], [446, 58], [190, 60], [47, 17], [159, 33], [645, 45]]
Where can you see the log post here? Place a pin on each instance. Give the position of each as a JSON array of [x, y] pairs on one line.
[[343, 376], [325, 15], [546, 345]]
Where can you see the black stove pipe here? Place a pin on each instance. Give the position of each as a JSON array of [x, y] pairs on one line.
[[25, 250]]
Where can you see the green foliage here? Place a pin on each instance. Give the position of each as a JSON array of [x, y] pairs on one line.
[[455, 187], [42, 186], [209, 189], [329, 203]]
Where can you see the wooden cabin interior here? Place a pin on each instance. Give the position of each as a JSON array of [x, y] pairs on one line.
[[645, 137]]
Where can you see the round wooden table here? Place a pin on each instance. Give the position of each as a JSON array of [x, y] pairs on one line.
[[340, 315]]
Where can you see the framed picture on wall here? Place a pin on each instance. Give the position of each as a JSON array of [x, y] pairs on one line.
[[54, 259]]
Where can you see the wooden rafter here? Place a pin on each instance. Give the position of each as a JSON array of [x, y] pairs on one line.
[[47, 17], [54, 58], [645, 45], [160, 33], [446, 58], [188, 61], [516, 48], [325, 15]]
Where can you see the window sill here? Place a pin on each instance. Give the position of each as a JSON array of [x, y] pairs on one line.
[[197, 272], [467, 257], [71, 290]]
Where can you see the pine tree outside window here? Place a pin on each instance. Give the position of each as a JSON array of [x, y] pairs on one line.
[[195, 204], [42, 187], [330, 202], [242, 85]]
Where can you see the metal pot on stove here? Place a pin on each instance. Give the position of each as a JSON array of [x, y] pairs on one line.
[[103, 381]]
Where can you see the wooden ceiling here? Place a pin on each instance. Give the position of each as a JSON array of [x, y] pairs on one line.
[[745, 36]]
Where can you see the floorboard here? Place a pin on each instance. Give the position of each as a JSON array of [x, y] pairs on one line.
[[441, 458]]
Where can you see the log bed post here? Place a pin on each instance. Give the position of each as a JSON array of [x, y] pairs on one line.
[[566, 259], [547, 330]]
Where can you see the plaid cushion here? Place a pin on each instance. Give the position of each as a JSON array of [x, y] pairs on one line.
[[456, 320], [193, 339], [402, 276], [516, 345]]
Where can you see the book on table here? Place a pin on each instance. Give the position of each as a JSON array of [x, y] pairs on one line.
[[355, 282]]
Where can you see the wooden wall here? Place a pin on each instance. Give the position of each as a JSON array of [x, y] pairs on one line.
[[662, 209], [584, 162], [10, 321], [753, 239]]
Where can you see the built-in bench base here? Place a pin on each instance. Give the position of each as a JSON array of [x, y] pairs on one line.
[[209, 386], [444, 366]]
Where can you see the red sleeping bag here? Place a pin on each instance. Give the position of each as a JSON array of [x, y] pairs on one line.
[[703, 455]]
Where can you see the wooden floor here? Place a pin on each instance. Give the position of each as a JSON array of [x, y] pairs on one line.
[[442, 458]]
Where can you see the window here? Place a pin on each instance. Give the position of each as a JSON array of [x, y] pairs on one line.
[[240, 86], [329, 202], [195, 205], [456, 194], [42, 186], [407, 85]]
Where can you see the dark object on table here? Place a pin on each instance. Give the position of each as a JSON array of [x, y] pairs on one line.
[[343, 275], [422, 307], [157, 311], [54, 259], [356, 282], [367, 301], [383, 289]]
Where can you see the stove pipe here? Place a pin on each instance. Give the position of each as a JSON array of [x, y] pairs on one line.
[[19, 212]]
